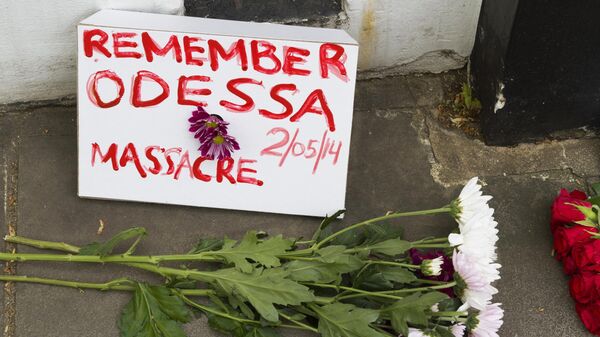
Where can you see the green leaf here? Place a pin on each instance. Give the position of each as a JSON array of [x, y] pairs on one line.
[[205, 245], [594, 200], [327, 267], [346, 320], [412, 309], [328, 220], [596, 188], [250, 248], [262, 332], [444, 331], [263, 288], [226, 325], [154, 311], [368, 235], [106, 248], [380, 232], [389, 247], [244, 308], [380, 277]]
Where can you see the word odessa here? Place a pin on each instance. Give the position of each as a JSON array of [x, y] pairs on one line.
[[263, 57]]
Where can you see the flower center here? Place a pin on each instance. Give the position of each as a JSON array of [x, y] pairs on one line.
[[218, 140], [212, 124]]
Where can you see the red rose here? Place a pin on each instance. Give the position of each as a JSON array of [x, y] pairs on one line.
[[589, 314], [587, 255], [569, 266], [584, 287], [562, 210], [567, 237]]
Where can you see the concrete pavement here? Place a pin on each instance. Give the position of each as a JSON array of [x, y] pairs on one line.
[[401, 159]]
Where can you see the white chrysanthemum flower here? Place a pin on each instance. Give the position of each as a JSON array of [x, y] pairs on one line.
[[432, 267], [458, 330], [477, 236], [412, 332], [487, 322], [473, 285], [470, 201]]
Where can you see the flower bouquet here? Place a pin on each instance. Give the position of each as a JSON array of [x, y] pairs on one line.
[[574, 225], [361, 280]]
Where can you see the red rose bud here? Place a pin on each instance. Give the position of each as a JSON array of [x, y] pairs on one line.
[[589, 314], [571, 208], [586, 256], [584, 287], [565, 238]]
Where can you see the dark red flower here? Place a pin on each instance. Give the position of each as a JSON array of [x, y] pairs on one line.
[[220, 147], [563, 211], [589, 314], [565, 238], [584, 287], [569, 266], [586, 256], [447, 274], [205, 126]]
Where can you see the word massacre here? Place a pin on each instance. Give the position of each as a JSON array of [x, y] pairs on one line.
[[195, 51]]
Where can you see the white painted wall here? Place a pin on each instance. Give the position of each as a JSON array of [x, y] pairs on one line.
[[39, 43], [37, 58], [402, 36]]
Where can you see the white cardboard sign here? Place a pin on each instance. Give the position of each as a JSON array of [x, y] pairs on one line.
[[286, 91]]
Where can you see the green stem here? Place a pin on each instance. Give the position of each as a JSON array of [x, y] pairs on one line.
[[359, 292], [452, 319], [433, 245], [434, 240], [121, 284], [378, 219], [400, 291], [392, 263], [449, 313], [239, 319], [298, 323], [41, 244]]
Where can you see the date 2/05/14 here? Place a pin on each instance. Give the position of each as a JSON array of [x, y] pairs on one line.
[[311, 149]]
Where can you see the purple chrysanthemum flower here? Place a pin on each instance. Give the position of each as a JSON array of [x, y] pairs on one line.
[[219, 146], [205, 126], [447, 273]]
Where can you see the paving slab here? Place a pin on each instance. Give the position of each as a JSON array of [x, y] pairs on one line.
[[395, 150], [533, 289]]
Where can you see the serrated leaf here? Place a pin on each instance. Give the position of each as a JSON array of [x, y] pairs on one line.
[[263, 288], [381, 277], [154, 311], [389, 247], [236, 303], [368, 235], [327, 267], [411, 309], [106, 248], [379, 232], [208, 244], [226, 325], [320, 233], [262, 332], [250, 248], [346, 320]]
